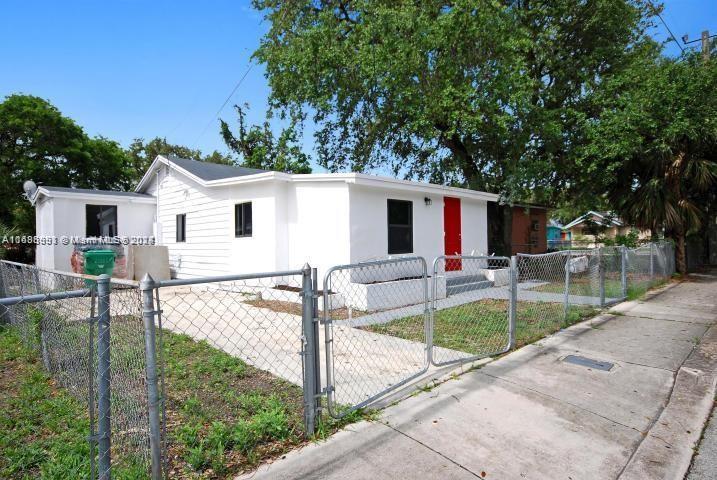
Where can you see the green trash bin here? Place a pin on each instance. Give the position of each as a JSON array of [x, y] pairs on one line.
[[98, 262]]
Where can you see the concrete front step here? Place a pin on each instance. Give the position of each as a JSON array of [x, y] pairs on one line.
[[463, 279], [467, 287]]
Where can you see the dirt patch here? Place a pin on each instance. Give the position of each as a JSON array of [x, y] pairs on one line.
[[295, 309]]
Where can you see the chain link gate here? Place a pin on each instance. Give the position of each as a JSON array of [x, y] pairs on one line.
[[471, 314], [376, 320]]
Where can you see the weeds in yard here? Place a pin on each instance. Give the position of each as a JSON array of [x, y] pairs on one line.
[[43, 430], [482, 327]]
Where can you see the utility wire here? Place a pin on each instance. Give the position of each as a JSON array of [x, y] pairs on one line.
[[657, 12], [216, 115]]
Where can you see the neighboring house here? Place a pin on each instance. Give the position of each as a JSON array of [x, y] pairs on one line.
[[557, 237], [587, 228], [218, 219], [529, 229], [65, 213], [527, 232]]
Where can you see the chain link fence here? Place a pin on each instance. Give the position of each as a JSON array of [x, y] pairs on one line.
[[208, 377], [63, 317], [375, 319]]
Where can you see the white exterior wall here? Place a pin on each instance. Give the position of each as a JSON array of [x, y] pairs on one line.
[[369, 224], [474, 226], [211, 247], [44, 226], [65, 217], [318, 225]]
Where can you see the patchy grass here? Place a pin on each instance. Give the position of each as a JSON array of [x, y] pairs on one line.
[[43, 430], [583, 286], [482, 327], [224, 416]]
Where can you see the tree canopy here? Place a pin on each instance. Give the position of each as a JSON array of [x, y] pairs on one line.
[[37, 142], [257, 147], [654, 154], [491, 95], [142, 154]]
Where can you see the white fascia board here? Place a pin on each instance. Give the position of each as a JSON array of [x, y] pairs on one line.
[[355, 178], [257, 177], [395, 184], [92, 196], [148, 174]]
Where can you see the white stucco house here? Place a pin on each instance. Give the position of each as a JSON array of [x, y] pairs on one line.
[[219, 219]]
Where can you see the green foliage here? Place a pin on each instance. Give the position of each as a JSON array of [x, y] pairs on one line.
[[38, 143], [456, 328], [43, 430], [142, 154], [258, 148], [493, 95], [656, 149], [631, 240]]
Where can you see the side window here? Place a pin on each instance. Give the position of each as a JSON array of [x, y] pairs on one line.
[[182, 227], [242, 220], [101, 221], [400, 226]]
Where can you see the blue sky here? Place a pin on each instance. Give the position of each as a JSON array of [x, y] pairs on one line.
[[132, 68]]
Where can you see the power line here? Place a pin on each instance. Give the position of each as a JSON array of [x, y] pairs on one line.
[[224, 104], [657, 12]]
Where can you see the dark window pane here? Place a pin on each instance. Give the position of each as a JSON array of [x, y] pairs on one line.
[[181, 227], [400, 226], [100, 220], [399, 212], [238, 220], [247, 219], [242, 220]]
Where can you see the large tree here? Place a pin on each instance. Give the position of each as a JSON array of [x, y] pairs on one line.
[[655, 152], [257, 147], [38, 143], [485, 94]]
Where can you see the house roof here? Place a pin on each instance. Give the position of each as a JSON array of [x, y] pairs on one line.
[[604, 216], [95, 192], [212, 171], [87, 193], [214, 175]]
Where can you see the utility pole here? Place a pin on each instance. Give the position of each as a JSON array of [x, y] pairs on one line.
[[706, 44]]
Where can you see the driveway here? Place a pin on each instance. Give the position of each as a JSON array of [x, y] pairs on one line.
[[365, 363]]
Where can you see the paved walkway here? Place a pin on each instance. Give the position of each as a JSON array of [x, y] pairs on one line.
[[365, 363], [532, 415]]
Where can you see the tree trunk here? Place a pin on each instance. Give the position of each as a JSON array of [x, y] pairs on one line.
[[681, 253]]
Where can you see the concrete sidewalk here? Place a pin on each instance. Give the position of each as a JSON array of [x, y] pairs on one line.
[[532, 415]]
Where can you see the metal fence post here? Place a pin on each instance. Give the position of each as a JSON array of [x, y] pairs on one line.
[[513, 305], [146, 287], [601, 277], [652, 261], [4, 311], [91, 380], [566, 299], [308, 351], [623, 271], [104, 424], [317, 355]]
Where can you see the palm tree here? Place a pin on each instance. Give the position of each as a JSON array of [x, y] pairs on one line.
[[667, 148]]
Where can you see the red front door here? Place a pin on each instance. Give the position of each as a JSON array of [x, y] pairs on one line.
[[452, 231]]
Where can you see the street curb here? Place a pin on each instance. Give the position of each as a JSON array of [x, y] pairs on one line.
[[667, 449]]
